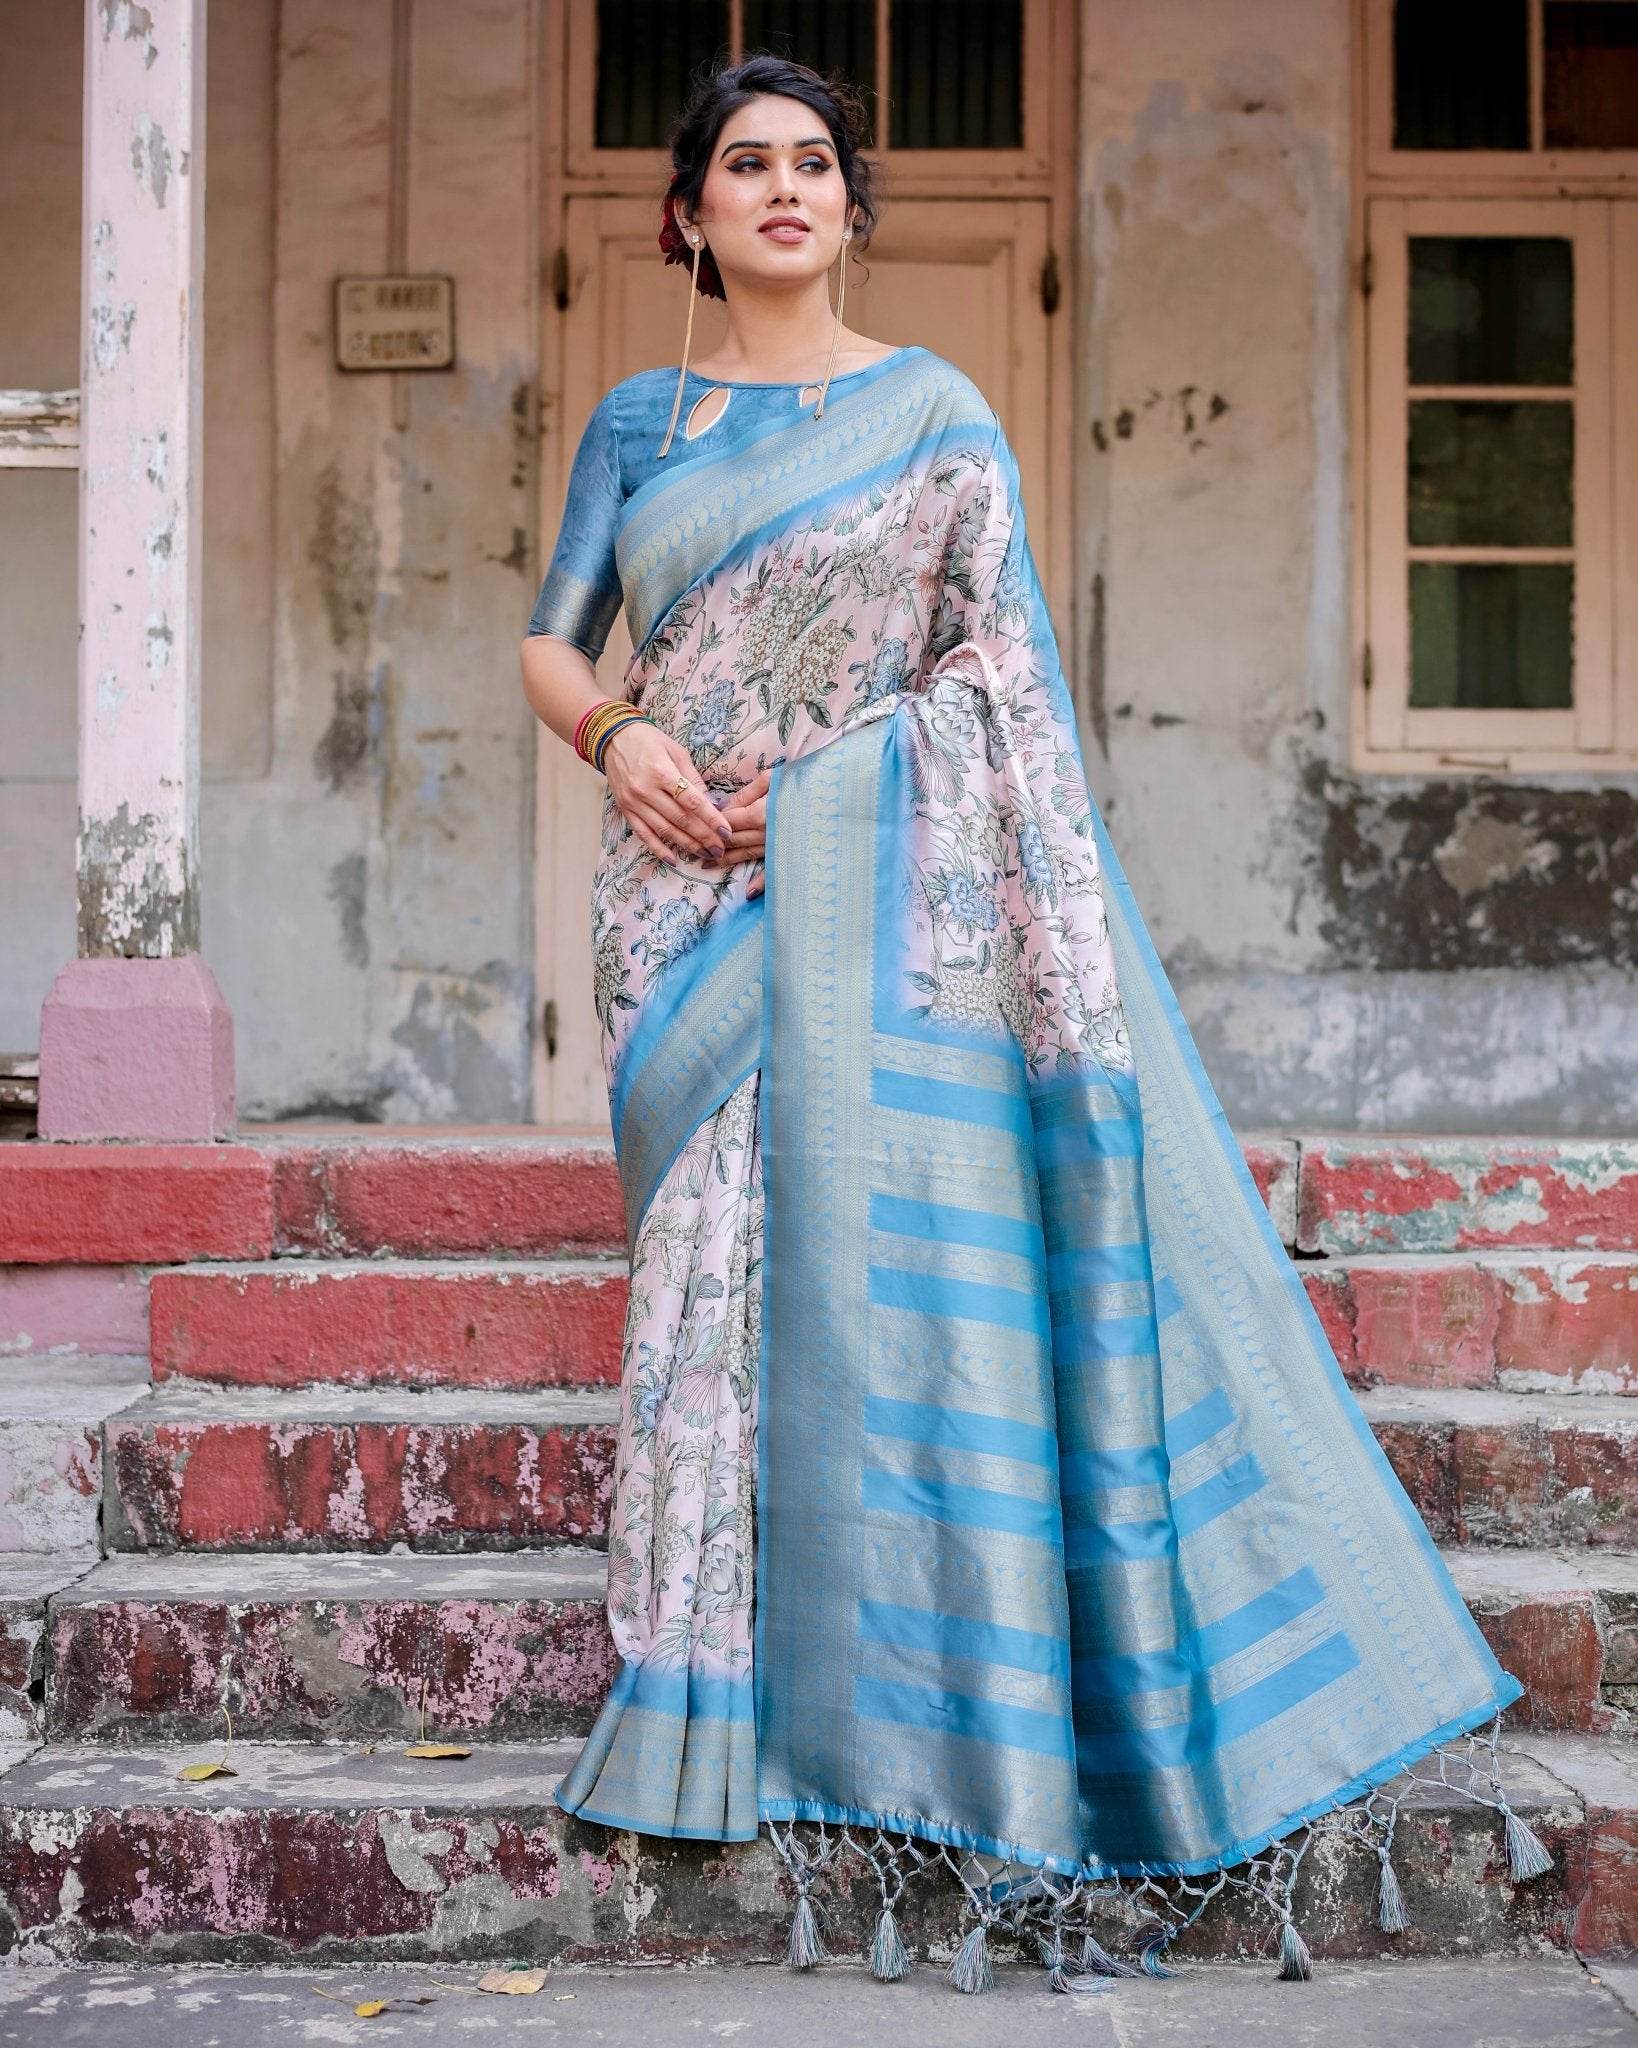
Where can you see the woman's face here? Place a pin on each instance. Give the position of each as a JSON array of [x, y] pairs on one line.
[[773, 161]]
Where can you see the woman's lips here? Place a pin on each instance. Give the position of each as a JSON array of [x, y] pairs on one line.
[[784, 231]]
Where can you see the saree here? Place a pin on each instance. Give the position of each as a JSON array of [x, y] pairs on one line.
[[988, 1498]]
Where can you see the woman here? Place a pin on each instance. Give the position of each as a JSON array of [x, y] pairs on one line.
[[1074, 1571]]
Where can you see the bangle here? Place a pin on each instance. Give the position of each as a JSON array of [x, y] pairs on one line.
[[600, 724]]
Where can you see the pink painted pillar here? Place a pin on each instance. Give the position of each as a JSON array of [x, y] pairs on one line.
[[136, 1040]]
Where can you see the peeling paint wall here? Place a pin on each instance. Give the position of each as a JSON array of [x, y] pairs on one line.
[[1352, 951], [367, 813]]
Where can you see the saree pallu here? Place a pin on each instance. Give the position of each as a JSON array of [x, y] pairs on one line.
[[1072, 1554]]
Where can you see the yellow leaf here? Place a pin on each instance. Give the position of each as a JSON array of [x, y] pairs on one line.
[[197, 1773], [369, 2009], [513, 1982], [436, 1749]]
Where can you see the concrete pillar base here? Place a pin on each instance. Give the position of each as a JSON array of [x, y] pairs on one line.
[[136, 1049]]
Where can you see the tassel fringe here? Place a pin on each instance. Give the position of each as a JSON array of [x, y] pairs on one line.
[[1019, 1903], [1296, 1964], [805, 1947], [970, 1968], [1526, 1855], [889, 1959], [1391, 1916]]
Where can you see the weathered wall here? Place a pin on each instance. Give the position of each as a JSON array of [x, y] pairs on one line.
[[1352, 951], [369, 758]]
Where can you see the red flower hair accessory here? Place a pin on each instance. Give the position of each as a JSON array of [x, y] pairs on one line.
[[675, 246]]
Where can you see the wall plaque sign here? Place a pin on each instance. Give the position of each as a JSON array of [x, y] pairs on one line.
[[395, 323]]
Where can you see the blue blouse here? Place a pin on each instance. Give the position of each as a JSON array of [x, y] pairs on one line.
[[619, 452]]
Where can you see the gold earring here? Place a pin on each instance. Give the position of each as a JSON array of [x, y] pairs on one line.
[[836, 327], [697, 243]]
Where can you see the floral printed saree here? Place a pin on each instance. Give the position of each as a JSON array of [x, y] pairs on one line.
[[988, 1496]]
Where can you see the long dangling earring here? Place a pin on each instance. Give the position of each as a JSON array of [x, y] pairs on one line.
[[697, 242], [836, 328]]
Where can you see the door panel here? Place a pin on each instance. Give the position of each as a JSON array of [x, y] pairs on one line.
[[959, 277]]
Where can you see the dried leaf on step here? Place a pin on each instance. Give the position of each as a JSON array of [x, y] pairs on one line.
[[369, 2009], [512, 1982], [436, 1749], [197, 1773]]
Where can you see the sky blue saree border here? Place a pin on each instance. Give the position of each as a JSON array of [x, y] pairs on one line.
[[1122, 905], [698, 1038], [1403, 1759]]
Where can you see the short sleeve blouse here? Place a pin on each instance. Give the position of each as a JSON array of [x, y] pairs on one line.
[[581, 593]]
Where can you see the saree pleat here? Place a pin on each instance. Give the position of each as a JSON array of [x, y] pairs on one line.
[[984, 1472]]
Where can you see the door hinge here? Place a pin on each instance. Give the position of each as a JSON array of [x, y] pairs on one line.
[[548, 1026], [1050, 287], [1367, 273], [1365, 668], [560, 278]]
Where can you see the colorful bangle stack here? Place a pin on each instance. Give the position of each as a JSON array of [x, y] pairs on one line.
[[596, 726]]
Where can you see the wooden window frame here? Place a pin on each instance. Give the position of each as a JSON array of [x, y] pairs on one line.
[[911, 168], [1591, 197]]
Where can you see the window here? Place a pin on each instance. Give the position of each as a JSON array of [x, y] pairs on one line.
[[1499, 528], [962, 75]]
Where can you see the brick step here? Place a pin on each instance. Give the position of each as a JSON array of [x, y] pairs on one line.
[[1372, 1194], [207, 1468], [509, 1648], [425, 1323], [51, 1446], [1566, 1624], [1514, 1470], [1550, 1322], [329, 1854], [27, 1585], [516, 1647]]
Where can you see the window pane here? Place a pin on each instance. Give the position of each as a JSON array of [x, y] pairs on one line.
[[1483, 474], [840, 36], [646, 56], [1490, 636], [957, 74], [1461, 74], [1491, 309], [1590, 94]]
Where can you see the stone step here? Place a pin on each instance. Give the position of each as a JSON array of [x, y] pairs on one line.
[[51, 1446], [207, 1468], [358, 1192], [411, 1323], [323, 1854], [27, 1585], [1372, 1194], [340, 1647], [515, 1647], [1514, 1470], [1545, 1322], [1564, 1622]]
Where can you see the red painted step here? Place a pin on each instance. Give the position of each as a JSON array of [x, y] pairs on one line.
[[88, 1204], [199, 1468], [1460, 1194], [1552, 1322], [1514, 1469], [335, 1647], [411, 1323]]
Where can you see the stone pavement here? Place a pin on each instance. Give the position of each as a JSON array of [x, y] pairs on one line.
[[1547, 2003]]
